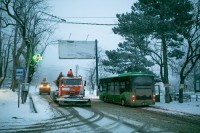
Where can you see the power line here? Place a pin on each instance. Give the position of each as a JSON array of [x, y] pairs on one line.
[[64, 21], [61, 20], [87, 23], [90, 23], [92, 17]]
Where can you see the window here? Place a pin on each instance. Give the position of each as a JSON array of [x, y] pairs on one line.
[[117, 88], [121, 87], [104, 86], [128, 86], [111, 88], [71, 82]]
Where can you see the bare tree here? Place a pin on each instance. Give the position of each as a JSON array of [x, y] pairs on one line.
[[91, 79], [91, 73], [30, 30], [5, 56], [5, 47]]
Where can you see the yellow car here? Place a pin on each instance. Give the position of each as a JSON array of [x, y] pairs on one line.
[[44, 88]]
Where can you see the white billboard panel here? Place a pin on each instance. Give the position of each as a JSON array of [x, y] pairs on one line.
[[76, 49]]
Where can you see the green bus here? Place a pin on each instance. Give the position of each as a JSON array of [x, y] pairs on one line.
[[134, 89]]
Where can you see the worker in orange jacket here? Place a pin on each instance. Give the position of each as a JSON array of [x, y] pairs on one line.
[[70, 73]]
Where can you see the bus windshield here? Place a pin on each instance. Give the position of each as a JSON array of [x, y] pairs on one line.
[[143, 80], [71, 82]]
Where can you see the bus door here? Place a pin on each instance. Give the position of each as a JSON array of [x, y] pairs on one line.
[[103, 91], [157, 92], [117, 93]]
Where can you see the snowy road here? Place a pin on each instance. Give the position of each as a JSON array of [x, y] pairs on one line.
[[99, 118]]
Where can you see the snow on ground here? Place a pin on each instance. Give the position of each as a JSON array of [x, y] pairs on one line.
[[189, 107], [11, 113]]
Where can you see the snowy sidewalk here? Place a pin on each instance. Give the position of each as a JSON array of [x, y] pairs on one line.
[[189, 107], [10, 112]]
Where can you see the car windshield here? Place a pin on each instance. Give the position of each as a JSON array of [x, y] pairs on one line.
[[44, 83], [71, 82]]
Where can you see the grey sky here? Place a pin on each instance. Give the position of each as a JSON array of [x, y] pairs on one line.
[[50, 66], [90, 8]]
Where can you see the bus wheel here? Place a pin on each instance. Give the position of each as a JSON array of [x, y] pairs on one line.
[[123, 102]]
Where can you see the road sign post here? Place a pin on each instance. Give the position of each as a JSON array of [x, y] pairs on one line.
[[19, 75]]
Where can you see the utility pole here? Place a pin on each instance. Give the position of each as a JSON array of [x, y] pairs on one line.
[[1, 61], [76, 71], [96, 50]]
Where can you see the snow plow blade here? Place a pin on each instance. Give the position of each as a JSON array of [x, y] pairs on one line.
[[74, 102]]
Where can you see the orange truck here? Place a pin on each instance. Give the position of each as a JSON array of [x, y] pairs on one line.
[[70, 91]]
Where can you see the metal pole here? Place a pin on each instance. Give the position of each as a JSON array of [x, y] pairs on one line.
[[19, 90], [96, 50]]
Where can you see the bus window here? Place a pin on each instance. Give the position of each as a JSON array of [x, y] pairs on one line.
[[100, 87], [128, 87], [122, 87], [111, 88], [104, 86], [117, 88]]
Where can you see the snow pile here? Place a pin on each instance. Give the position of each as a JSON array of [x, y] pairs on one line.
[[10, 111]]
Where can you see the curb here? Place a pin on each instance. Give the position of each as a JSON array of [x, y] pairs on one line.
[[32, 103]]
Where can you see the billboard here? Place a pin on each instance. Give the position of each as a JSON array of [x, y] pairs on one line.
[[76, 49]]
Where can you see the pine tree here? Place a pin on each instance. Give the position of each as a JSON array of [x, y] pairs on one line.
[[160, 23], [126, 58]]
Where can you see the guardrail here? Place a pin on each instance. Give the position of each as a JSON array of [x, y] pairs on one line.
[[186, 97]]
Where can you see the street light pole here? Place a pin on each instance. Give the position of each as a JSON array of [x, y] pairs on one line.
[[96, 52]]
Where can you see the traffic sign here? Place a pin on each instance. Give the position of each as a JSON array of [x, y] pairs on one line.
[[19, 74]]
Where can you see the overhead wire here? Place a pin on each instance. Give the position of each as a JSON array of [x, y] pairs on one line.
[[61, 20], [91, 17], [80, 23]]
